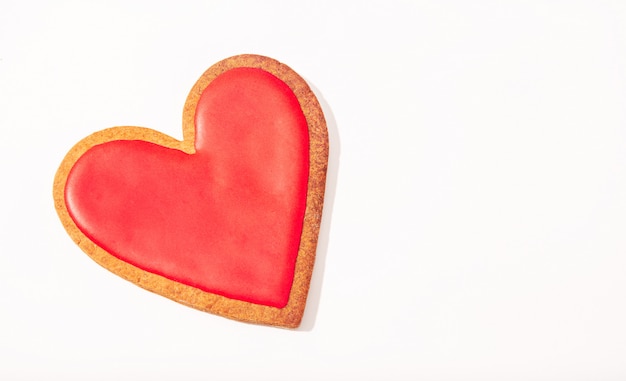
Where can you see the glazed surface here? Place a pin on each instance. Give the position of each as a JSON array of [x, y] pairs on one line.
[[226, 219]]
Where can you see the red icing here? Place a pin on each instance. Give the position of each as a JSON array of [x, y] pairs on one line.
[[226, 219]]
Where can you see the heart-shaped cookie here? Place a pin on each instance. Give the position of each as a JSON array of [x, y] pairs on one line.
[[225, 221]]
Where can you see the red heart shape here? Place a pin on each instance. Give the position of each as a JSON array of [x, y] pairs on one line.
[[229, 214]]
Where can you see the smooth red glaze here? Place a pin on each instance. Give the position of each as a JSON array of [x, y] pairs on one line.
[[226, 219]]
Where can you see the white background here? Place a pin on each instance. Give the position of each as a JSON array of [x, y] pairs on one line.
[[475, 216]]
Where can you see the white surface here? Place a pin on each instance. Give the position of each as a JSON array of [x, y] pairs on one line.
[[476, 207]]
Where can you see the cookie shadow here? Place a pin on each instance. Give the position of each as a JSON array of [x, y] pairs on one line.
[[317, 278]]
